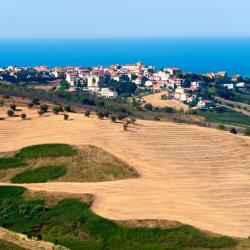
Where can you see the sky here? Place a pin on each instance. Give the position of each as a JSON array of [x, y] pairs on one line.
[[127, 18]]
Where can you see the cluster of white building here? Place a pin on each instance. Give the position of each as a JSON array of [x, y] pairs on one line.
[[96, 79]]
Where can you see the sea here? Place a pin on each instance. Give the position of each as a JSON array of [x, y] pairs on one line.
[[196, 54]]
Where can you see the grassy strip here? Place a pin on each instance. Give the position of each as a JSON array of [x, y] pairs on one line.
[[72, 224], [46, 150], [39, 175], [11, 162], [5, 245], [227, 118], [37, 151]]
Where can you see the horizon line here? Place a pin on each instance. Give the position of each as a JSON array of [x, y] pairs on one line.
[[123, 37]]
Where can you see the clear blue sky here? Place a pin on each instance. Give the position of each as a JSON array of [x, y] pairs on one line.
[[128, 18]]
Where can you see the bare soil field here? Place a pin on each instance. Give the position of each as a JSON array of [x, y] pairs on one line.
[[194, 175], [156, 101]]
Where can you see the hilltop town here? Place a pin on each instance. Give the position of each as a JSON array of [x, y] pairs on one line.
[[195, 90]]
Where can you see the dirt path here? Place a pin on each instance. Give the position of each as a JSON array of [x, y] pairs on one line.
[[190, 174]]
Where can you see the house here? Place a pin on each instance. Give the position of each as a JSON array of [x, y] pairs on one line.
[[173, 71], [204, 104], [108, 93], [235, 78], [183, 97], [229, 86], [176, 81], [149, 83], [58, 72], [241, 84], [71, 78], [133, 67], [196, 84]]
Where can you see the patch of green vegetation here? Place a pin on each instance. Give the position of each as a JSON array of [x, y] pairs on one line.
[[72, 224], [46, 150], [5, 245], [231, 118], [11, 162], [40, 175]]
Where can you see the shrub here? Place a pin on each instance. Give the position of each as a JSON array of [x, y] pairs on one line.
[[233, 131], [247, 131], [44, 108], [191, 112], [100, 115], [23, 116], [57, 109], [221, 127], [46, 150], [168, 110], [40, 175], [148, 106], [13, 106], [10, 112], [113, 118], [65, 117], [40, 113], [106, 114], [35, 101], [67, 108], [125, 126], [11, 162], [87, 113], [121, 117], [30, 105], [133, 120]]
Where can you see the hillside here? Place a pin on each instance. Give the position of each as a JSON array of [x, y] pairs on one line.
[[187, 172]]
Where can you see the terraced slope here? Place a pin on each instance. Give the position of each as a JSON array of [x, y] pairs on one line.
[[190, 174]]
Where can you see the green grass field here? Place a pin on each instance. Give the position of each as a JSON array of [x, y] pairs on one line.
[[72, 224], [46, 150], [236, 119], [37, 151], [40, 175], [11, 162]]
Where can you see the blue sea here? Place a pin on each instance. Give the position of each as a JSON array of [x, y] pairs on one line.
[[200, 55]]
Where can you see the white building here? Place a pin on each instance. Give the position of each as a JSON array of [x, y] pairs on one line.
[[108, 93]]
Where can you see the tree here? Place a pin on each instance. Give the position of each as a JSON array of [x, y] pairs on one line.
[[13, 106], [65, 117], [30, 105], [57, 109], [133, 120], [125, 126], [100, 115], [87, 113], [233, 131], [23, 116], [64, 85], [40, 113], [113, 118], [35, 101], [121, 117], [247, 131], [67, 108], [148, 106], [44, 108], [10, 112], [106, 114]]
